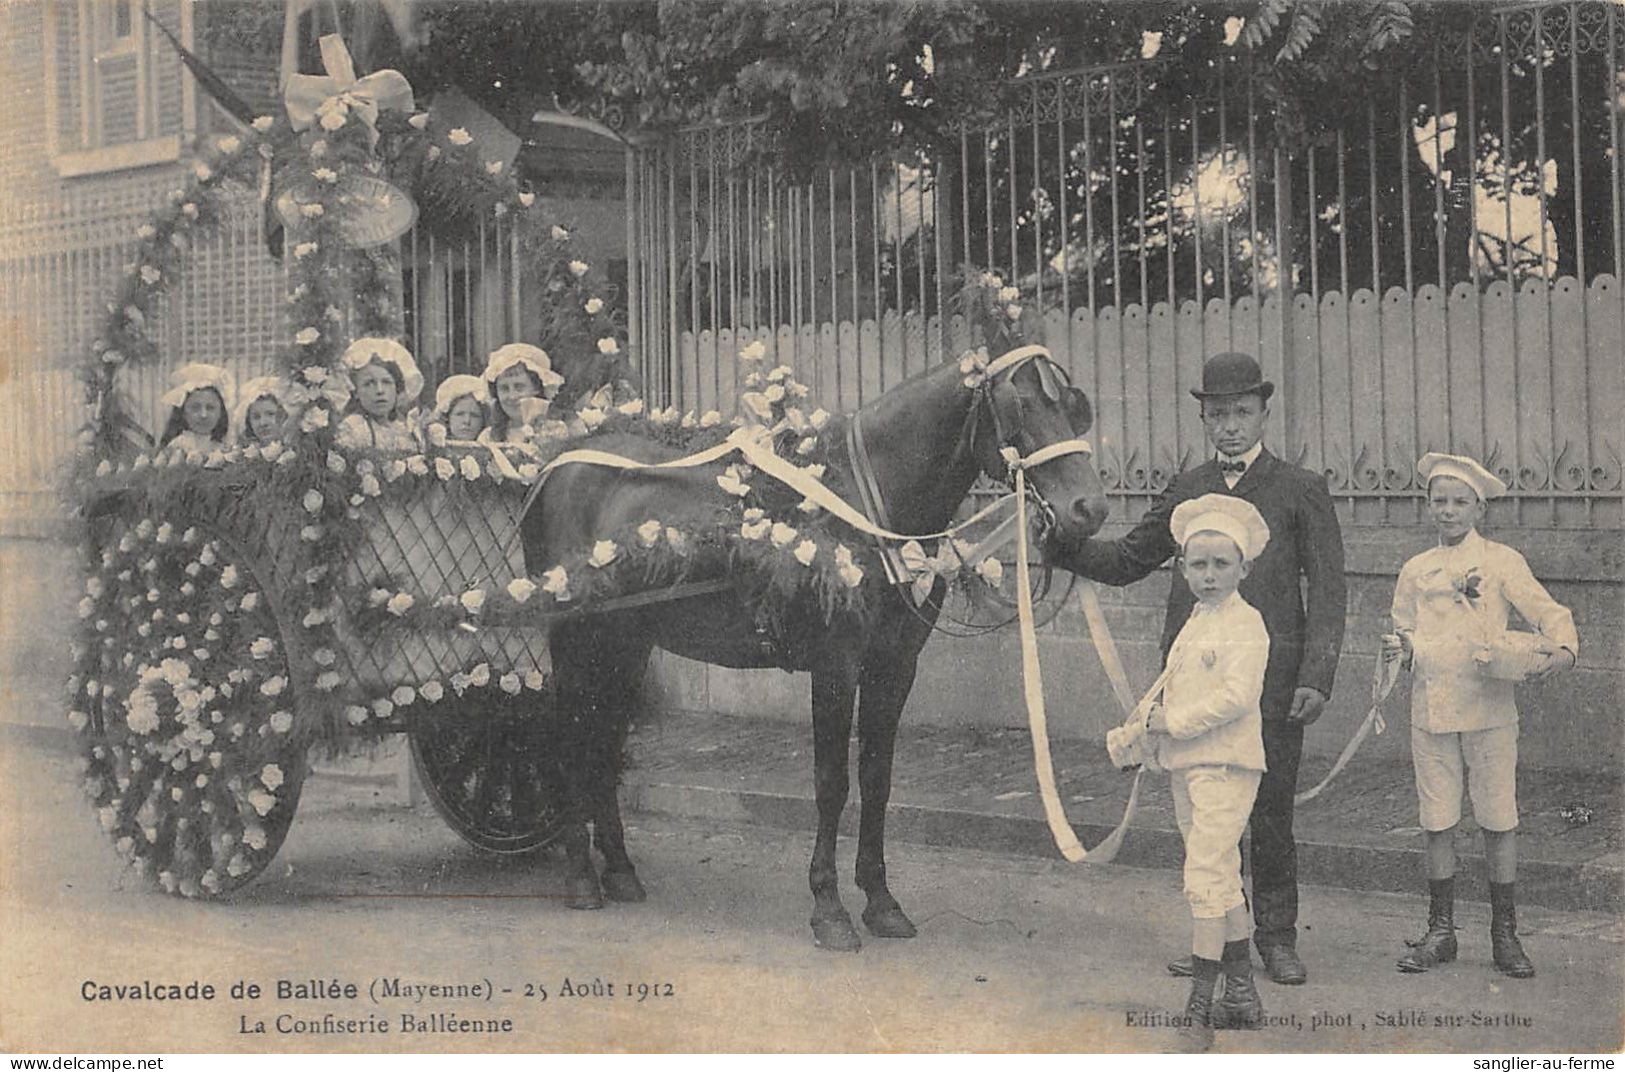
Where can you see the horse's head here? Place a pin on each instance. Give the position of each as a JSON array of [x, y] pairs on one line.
[[1033, 408]]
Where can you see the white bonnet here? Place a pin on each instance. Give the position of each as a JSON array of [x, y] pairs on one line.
[[1485, 483], [1226, 514], [362, 352], [454, 387], [188, 378], [254, 390], [534, 358]]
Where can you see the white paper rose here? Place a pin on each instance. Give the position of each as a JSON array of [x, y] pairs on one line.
[[603, 553], [432, 691], [459, 136], [404, 695], [444, 469], [399, 603], [556, 583], [473, 600], [782, 535], [805, 552], [520, 589]]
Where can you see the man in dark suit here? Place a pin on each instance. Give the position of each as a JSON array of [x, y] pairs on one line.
[[1305, 542]]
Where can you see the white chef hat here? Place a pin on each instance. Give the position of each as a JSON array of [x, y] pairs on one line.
[[194, 377], [1224, 514], [362, 352], [1481, 480], [534, 358], [454, 387]]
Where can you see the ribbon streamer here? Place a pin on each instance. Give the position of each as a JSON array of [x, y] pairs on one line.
[[339, 92], [1382, 683]]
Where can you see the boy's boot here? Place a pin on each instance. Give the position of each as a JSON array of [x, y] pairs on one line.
[[1239, 1005], [1196, 1032], [1504, 945], [1438, 945]]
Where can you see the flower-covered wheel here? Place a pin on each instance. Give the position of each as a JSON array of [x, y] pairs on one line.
[[182, 702], [490, 766]]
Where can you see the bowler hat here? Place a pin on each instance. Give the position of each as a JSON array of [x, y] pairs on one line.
[[1230, 374]]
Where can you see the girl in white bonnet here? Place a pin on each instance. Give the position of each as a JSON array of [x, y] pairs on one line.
[[521, 379], [460, 404], [385, 381], [261, 414], [199, 399]]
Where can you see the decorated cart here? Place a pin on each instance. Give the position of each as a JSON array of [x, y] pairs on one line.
[[247, 605]]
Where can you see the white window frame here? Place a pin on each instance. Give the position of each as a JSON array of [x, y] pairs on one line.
[[97, 42]]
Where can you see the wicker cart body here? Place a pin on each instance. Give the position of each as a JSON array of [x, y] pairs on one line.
[[488, 757]]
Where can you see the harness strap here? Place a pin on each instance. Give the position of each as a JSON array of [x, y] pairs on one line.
[[874, 504]]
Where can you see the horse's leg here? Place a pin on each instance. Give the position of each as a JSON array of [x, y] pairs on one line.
[[580, 738], [620, 878], [884, 689], [833, 689]]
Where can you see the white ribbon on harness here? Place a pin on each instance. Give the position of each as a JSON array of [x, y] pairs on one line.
[[1066, 840], [1382, 683]]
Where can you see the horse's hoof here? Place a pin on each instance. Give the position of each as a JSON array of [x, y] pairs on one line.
[[889, 922], [583, 893], [624, 886], [836, 934]]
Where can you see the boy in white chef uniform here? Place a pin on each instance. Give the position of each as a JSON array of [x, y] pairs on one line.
[[1450, 618], [1208, 733]]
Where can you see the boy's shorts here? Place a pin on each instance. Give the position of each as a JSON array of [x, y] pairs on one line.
[[1487, 760], [1211, 805]]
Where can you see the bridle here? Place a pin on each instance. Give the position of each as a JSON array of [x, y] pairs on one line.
[[1009, 428], [1009, 423]]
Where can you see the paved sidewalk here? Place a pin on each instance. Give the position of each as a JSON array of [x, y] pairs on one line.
[[975, 788]]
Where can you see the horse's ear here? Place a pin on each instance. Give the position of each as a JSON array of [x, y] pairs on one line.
[[1079, 411]]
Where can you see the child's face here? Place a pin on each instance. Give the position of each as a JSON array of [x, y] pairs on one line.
[[265, 419], [1454, 507], [202, 411], [1213, 566], [515, 384], [465, 419], [375, 391]]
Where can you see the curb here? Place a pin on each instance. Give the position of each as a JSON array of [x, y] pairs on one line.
[[1586, 886], [1571, 886]]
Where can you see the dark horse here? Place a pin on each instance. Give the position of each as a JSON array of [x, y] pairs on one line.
[[926, 439]]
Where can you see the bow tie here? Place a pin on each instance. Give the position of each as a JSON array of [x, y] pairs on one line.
[[1237, 466]]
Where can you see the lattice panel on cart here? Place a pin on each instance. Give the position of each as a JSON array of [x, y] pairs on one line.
[[442, 542]]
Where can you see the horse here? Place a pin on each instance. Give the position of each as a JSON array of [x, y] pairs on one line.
[[926, 440]]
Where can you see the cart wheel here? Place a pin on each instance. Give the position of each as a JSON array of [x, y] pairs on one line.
[[490, 766], [191, 753]]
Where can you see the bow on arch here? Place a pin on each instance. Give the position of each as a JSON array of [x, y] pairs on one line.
[[332, 97]]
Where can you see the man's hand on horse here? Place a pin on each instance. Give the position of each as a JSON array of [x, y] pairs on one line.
[[1308, 704]]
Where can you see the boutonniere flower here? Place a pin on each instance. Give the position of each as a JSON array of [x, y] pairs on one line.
[[1468, 586]]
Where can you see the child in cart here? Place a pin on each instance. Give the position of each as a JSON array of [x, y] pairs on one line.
[[521, 379], [261, 415], [1450, 625], [199, 400], [385, 381], [460, 406], [1208, 734]]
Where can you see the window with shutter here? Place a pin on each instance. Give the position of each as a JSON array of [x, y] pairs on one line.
[[123, 97]]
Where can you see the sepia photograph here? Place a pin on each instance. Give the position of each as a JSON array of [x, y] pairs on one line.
[[812, 526]]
